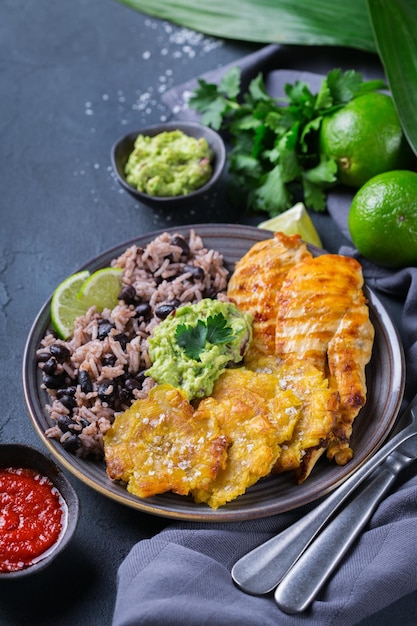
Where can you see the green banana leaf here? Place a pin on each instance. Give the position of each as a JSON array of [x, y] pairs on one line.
[[385, 27], [307, 22], [395, 27]]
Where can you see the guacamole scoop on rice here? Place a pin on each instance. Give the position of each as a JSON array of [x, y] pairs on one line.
[[194, 345]]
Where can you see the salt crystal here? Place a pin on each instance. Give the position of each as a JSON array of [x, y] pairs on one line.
[[291, 410]]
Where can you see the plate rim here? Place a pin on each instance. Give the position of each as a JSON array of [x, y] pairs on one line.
[[197, 512]]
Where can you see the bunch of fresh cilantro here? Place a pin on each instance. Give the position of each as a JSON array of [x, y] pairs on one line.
[[274, 157]]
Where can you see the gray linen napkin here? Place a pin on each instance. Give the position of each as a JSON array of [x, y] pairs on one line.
[[182, 575]]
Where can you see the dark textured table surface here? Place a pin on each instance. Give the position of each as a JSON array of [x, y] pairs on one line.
[[74, 77]]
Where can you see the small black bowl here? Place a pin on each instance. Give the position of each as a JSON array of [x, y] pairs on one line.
[[20, 455], [123, 147]]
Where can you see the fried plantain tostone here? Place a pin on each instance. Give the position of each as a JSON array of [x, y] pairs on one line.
[[159, 445]]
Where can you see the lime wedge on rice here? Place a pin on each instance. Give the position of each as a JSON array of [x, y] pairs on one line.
[[76, 294], [101, 289], [295, 221], [65, 306]]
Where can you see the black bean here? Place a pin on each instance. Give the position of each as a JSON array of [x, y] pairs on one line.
[[143, 310], [68, 401], [132, 383], [64, 422], [163, 310], [128, 294], [84, 381], [72, 443], [66, 391], [54, 381], [49, 366], [181, 243], [41, 357], [104, 327], [140, 376], [109, 359], [61, 353], [196, 272], [124, 396], [123, 339], [108, 391], [120, 380]]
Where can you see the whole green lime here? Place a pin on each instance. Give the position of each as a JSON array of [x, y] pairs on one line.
[[383, 219], [365, 138]]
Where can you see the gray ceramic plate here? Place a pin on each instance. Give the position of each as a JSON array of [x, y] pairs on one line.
[[385, 378]]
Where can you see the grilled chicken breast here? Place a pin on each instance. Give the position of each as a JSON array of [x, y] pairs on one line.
[[257, 278], [348, 353], [311, 314], [323, 319]]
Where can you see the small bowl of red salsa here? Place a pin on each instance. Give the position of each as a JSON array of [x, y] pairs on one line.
[[39, 511]]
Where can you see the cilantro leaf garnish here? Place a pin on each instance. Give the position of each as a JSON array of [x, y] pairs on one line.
[[275, 156], [193, 338], [218, 331]]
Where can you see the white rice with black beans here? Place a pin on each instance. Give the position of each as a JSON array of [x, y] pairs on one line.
[[101, 369]]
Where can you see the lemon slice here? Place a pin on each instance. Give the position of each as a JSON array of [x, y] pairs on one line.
[[295, 221], [65, 307], [101, 289]]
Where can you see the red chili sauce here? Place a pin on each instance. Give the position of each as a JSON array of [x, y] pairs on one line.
[[32, 517]]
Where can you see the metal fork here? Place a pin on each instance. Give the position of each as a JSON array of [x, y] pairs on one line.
[[261, 570]]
